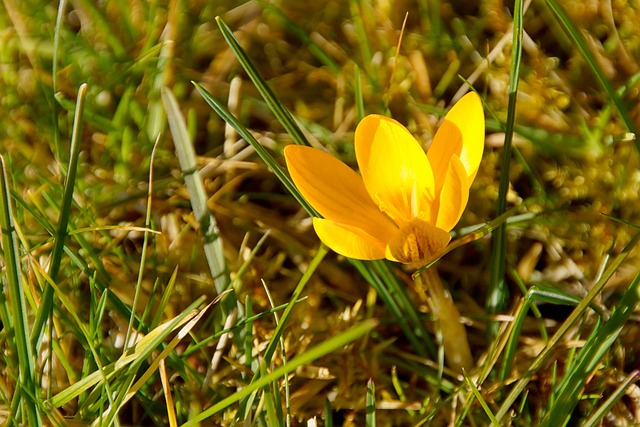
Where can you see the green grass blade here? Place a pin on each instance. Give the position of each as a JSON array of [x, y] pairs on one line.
[[330, 345], [18, 336], [279, 110], [568, 392], [46, 304], [578, 40], [370, 405], [262, 152], [359, 97], [145, 245], [483, 402], [497, 292], [186, 156]]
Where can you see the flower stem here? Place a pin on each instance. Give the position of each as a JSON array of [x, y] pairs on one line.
[[454, 337]]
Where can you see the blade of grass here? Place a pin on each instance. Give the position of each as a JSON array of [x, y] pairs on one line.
[[357, 94], [544, 355], [18, 337], [285, 379], [330, 345], [568, 392], [370, 404], [46, 304], [168, 397], [62, 6], [476, 394], [497, 292], [282, 114], [145, 244], [186, 156], [262, 152], [356, 7]]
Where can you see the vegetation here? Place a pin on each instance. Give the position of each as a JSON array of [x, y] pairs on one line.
[[139, 292]]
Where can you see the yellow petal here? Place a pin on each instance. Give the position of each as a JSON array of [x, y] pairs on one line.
[[454, 195], [395, 169], [416, 241], [462, 134], [336, 191], [349, 241]]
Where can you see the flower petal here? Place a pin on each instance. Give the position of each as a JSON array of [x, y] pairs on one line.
[[349, 241], [416, 241], [462, 134], [454, 195], [395, 169], [336, 191]]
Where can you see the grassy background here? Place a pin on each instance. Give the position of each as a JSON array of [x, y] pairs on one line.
[[96, 259]]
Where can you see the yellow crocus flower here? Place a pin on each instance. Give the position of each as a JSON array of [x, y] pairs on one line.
[[405, 201]]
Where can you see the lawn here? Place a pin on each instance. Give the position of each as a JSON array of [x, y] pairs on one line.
[[167, 262]]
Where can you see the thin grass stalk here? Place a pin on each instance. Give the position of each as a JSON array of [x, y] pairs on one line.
[[143, 255], [60, 17], [46, 303], [357, 15], [544, 355], [283, 356], [266, 157], [497, 293], [398, 292], [328, 413], [18, 336], [279, 110], [357, 94], [485, 406], [186, 156]]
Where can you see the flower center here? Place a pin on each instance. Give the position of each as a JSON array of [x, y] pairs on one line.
[[417, 241]]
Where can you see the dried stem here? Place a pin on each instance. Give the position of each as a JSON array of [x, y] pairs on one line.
[[454, 337]]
